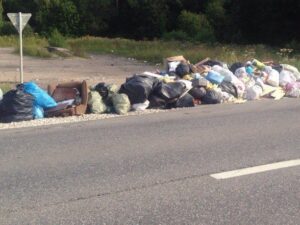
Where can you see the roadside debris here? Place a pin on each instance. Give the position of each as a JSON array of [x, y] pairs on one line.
[[181, 84]]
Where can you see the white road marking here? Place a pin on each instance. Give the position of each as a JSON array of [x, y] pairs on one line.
[[256, 169]]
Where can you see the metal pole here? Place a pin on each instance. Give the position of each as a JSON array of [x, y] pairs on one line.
[[21, 47]]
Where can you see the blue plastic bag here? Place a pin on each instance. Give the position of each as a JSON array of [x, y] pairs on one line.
[[42, 98], [249, 70], [214, 77], [38, 112]]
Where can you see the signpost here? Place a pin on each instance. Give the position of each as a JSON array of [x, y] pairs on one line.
[[19, 20]]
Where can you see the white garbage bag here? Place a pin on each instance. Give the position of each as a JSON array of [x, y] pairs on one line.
[[224, 72], [292, 69], [240, 86], [140, 106], [273, 76], [286, 77], [292, 90], [173, 66], [241, 72], [254, 92], [1, 94]]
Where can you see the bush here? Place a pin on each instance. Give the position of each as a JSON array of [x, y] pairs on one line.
[[206, 35], [57, 14], [178, 35], [295, 45], [196, 26], [28, 31], [189, 23], [56, 39], [7, 29]]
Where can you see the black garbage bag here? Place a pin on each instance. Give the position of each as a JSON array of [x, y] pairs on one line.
[[170, 92], [211, 97], [229, 88], [185, 101], [139, 87], [182, 69], [157, 102], [212, 63], [15, 106], [166, 95], [198, 92], [102, 89], [236, 66]]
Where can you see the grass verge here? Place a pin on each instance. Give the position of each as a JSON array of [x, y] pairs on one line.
[[7, 86], [32, 46], [155, 51]]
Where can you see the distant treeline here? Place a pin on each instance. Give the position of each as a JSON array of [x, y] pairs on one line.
[[233, 21]]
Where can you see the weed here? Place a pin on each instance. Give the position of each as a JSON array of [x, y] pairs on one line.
[[6, 86], [56, 39], [155, 51]]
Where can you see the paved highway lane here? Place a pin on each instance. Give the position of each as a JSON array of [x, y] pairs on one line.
[[155, 169]]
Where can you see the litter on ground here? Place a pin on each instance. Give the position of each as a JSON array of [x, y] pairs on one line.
[[181, 84]]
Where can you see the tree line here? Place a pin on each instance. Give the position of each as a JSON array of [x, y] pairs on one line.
[[273, 22]]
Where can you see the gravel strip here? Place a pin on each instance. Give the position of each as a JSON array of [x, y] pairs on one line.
[[71, 119], [85, 117]]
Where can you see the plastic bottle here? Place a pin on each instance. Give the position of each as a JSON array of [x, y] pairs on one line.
[[258, 64]]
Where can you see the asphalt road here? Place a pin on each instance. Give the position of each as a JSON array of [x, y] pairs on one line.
[[155, 169]]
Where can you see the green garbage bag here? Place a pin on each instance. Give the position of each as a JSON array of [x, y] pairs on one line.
[[96, 103], [112, 89], [121, 103]]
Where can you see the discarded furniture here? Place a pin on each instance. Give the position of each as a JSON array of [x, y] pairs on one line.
[[76, 91]]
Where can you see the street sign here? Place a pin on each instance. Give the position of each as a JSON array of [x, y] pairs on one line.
[[19, 20], [14, 18]]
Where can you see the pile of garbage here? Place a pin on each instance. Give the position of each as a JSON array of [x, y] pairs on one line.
[[182, 84]]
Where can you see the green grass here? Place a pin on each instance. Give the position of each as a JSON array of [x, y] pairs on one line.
[[36, 51], [35, 46], [32, 46], [6, 86], [155, 51], [8, 41]]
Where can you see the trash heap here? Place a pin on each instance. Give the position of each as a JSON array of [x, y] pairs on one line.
[[182, 84]]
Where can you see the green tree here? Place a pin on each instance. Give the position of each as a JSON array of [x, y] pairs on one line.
[[1, 12], [216, 15], [96, 16], [196, 26], [59, 14], [142, 18]]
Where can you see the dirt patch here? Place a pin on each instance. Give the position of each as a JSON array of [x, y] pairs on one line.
[[97, 68]]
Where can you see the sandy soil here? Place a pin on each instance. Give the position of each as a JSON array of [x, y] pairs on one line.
[[98, 68]]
